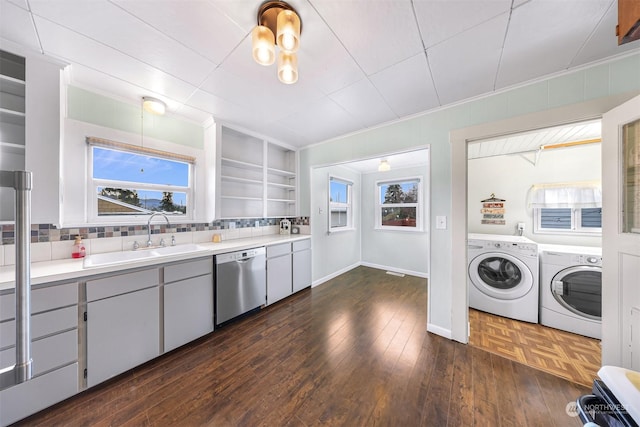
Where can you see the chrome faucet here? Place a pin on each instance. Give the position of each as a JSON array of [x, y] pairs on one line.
[[149, 243]]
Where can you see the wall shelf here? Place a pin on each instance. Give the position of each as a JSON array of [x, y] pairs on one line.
[[255, 178]]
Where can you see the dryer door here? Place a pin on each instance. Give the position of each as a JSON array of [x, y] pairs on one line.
[[579, 290], [500, 275]]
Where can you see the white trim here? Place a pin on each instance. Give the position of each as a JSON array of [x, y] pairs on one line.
[[334, 275], [435, 329], [395, 269]]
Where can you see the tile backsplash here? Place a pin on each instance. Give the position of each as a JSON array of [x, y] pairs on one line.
[[51, 243]]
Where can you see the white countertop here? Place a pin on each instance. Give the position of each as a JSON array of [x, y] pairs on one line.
[[69, 269]]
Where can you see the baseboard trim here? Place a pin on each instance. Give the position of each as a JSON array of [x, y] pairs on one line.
[[334, 275], [395, 270], [438, 330]]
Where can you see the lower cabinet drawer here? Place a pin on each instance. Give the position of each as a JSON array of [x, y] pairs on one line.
[[47, 353], [25, 399], [42, 324]]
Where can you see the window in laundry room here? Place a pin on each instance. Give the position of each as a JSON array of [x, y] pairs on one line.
[[567, 208]]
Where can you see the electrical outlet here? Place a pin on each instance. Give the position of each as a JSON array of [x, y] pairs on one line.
[[521, 226]]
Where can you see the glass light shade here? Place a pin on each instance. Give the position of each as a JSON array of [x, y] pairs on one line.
[[262, 45], [154, 105], [287, 68], [288, 37], [384, 166]]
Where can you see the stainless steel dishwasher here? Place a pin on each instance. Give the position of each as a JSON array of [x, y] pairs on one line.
[[241, 283]]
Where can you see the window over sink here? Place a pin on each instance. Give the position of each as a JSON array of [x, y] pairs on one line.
[[129, 181]]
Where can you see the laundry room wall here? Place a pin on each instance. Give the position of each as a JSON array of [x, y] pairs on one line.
[[510, 177]]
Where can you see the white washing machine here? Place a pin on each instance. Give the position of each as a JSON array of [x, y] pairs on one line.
[[571, 289], [503, 276]]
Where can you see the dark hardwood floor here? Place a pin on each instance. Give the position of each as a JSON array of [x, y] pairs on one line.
[[351, 352]]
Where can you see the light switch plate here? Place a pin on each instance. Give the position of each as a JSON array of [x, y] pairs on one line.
[[441, 222]]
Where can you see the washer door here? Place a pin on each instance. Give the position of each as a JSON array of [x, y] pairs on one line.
[[500, 275], [579, 290]]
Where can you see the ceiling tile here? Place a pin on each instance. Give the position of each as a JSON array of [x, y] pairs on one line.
[[407, 87], [363, 102], [544, 36], [313, 117], [196, 24], [440, 20], [114, 27], [16, 25], [72, 47], [603, 41], [465, 65], [389, 30]]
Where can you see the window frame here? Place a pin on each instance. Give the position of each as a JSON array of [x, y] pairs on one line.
[[419, 205], [95, 183], [348, 205], [576, 223]]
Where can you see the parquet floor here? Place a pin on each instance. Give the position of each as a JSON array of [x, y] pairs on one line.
[[351, 352], [567, 355]]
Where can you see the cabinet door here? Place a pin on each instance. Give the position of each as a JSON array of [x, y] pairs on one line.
[[301, 270], [188, 310], [122, 332], [278, 278]]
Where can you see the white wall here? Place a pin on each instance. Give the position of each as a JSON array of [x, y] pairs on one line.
[[340, 251], [401, 251], [511, 176], [595, 85]]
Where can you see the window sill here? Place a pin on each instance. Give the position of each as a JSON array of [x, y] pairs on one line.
[[401, 229]]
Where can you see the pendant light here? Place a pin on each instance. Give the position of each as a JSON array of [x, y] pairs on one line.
[[278, 24]]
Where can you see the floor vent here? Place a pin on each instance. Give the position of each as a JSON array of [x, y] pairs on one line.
[[393, 273]]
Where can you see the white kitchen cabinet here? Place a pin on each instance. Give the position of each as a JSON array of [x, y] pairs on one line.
[[54, 350], [255, 178], [279, 280], [122, 323], [188, 302], [301, 264]]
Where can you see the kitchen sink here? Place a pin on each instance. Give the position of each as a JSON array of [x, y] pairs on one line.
[[110, 258]]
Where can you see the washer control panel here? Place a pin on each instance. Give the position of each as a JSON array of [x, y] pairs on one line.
[[531, 248], [587, 260]]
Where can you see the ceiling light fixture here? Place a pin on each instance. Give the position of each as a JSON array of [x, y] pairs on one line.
[[154, 105], [278, 23], [384, 166]]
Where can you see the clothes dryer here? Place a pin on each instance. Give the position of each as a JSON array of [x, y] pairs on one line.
[[503, 276], [571, 289]]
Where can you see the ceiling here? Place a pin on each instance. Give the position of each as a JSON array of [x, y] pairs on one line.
[[532, 141], [361, 63]]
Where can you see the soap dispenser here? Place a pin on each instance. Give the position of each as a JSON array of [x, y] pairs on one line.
[[78, 250]]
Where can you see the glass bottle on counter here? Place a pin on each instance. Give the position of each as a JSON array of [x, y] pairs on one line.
[[78, 250]]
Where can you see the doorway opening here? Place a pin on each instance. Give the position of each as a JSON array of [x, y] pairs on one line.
[[342, 243], [508, 229]]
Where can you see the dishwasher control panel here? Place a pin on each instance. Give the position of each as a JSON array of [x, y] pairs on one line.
[[236, 256]]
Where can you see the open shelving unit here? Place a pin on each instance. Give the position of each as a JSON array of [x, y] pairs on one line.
[[12, 123], [256, 178]]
